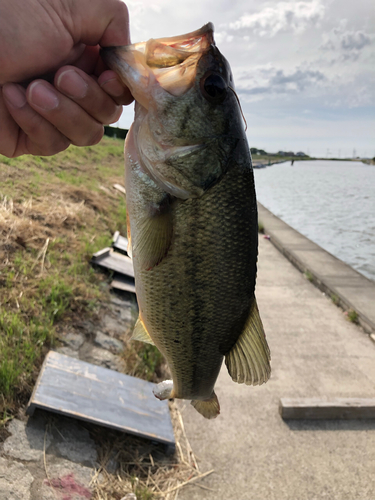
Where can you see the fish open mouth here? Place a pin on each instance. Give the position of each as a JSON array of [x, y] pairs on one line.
[[168, 62]]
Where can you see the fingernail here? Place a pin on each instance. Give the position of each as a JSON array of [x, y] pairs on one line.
[[15, 95], [72, 84], [42, 96], [113, 87]]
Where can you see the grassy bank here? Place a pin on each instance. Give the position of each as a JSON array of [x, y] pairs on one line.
[[54, 213]]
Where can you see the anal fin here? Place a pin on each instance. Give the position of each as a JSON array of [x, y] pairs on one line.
[[249, 359], [140, 333], [209, 408]]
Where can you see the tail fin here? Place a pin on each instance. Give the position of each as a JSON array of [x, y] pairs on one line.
[[209, 408]]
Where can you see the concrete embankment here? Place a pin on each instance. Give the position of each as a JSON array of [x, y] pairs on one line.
[[347, 288], [316, 353]]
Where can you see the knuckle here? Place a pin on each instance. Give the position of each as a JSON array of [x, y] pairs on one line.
[[57, 147], [90, 140], [52, 147], [123, 9], [98, 137], [8, 150], [115, 116]]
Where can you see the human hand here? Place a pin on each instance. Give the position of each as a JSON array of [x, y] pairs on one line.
[[44, 119]]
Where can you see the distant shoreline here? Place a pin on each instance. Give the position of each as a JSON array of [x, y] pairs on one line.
[[268, 162]]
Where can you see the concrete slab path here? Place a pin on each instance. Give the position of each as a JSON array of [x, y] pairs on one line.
[[316, 352], [350, 289]]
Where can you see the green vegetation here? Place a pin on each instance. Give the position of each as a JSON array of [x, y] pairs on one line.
[[260, 227], [352, 316], [309, 276], [261, 157], [144, 361], [54, 214], [335, 299]]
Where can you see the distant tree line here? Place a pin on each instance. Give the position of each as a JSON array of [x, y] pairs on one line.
[[116, 132], [256, 151]]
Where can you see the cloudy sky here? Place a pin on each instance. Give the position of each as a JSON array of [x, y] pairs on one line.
[[304, 70]]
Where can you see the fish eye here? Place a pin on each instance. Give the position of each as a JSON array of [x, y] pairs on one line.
[[213, 88]]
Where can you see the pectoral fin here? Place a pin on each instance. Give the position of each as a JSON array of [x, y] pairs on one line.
[[154, 235], [209, 408], [249, 359], [140, 333]]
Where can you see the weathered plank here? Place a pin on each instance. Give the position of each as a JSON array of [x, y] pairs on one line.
[[114, 261], [123, 283], [333, 408], [104, 397], [120, 243], [120, 188]]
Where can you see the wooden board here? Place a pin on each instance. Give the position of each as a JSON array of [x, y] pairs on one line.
[[123, 283], [114, 261], [100, 396], [334, 408], [120, 243]]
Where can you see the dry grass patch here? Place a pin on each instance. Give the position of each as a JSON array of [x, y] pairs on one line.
[[54, 213], [143, 468]]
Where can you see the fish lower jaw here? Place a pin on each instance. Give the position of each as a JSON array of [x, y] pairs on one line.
[[164, 390]]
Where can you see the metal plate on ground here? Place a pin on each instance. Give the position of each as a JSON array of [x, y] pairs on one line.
[[100, 396], [114, 261]]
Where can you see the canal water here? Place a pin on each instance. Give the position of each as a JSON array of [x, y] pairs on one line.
[[330, 202]]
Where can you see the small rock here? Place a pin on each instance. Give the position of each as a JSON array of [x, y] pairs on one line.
[[112, 325], [117, 301], [129, 496], [101, 357], [67, 351], [87, 326], [67, 480], [111, 466], [73, 340], [27, 440], [15, 481], [76, 445], [126, 315], [107, 342]]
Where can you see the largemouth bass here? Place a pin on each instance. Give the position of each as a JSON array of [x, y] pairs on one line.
[[192, 216]]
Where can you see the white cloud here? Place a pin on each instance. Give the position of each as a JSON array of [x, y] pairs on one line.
[[284, 16], [266, 80], [346, 41], [355, 40]]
